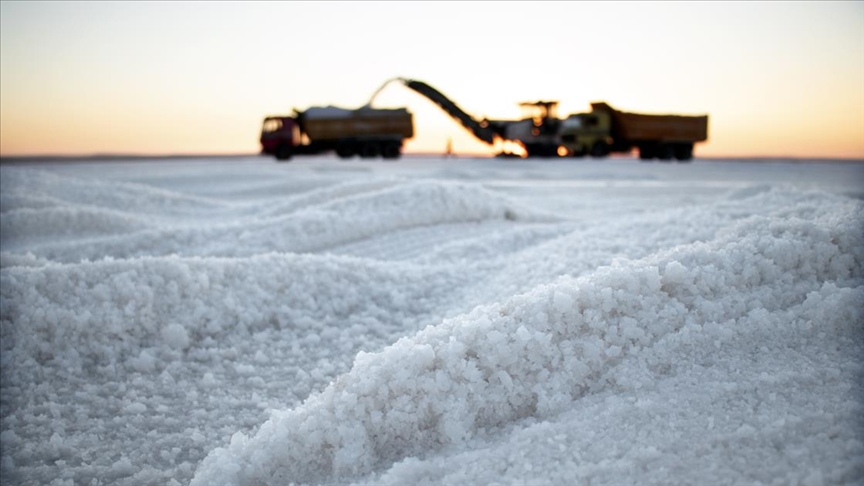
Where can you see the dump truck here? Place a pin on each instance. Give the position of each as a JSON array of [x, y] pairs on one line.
[[606, 130], [367, 132]]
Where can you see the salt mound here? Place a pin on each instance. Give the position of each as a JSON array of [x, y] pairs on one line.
[[8, 259], [26, 201], [534, 355], [323, 195], [107, 312], [312, 228], [36, 188], [64, 223]]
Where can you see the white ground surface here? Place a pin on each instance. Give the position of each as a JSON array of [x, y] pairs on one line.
[[496, 322]]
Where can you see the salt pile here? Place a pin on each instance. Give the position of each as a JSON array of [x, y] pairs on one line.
[[422, 323]]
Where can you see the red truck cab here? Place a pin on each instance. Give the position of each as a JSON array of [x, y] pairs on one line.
[[279, 136]]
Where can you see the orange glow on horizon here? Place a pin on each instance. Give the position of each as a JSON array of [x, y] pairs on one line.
[[198, 78]]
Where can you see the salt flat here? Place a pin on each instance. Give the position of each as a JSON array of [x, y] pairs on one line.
[[431, 321]]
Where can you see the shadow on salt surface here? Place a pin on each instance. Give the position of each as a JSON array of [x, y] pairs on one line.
[[469, 243], [261, 193], [616, 183], [70, 191], [340, 168], [20, 227], [535, 355], [337, 221], [549, 171], [324, 195], [8, 259]]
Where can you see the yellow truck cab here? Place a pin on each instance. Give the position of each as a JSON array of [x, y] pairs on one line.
[[587, 134]]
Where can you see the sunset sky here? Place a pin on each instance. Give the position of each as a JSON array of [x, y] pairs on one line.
[[776, 78]]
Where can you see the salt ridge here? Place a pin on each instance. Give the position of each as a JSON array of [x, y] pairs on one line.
[[537, 353]]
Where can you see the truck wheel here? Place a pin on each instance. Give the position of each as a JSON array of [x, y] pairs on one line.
[[647, 153], [666, 152], [600, 149], [345, 151], [283, 152], [684, 152], [541, 150], [369, 150], [391, 151]]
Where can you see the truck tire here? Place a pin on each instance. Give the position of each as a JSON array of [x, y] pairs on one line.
[[369, 150], [345, 151], [283, 153], [666, 152], [391, 151], [532, 150], [647, 152], [579, 153], [684, 152], [541, 150], [600, 149]]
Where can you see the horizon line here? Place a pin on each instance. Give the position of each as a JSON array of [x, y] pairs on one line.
[[120, 155]]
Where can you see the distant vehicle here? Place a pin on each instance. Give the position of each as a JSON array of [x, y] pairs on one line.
[[602, 131], [605, 130], [366, 132]]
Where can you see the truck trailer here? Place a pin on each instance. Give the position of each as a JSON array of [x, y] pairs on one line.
[[606, 130], [367, 132]]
